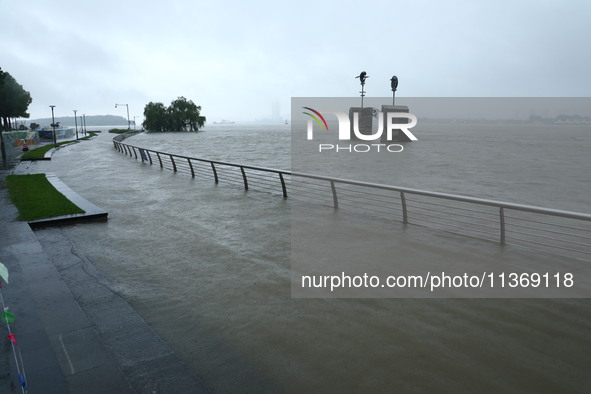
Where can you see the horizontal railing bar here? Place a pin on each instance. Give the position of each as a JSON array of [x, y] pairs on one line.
[[550, 231], [414, 220], [370, 201], [374, 197], [363, 208], [554, 246], [302, 185], [322, 195], [323, 202], [551, 238], [231, 181], [495, 214], [447, 196], [265, 181], [314, 187], [229, 175], [218, 162], [486, 237], [313, 192], [358, 189], [455, 197], [455, 220], [483, 218], [547, 223], [363, 193], [263, 178]]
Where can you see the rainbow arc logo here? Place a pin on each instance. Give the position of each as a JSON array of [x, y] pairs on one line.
[[347, 127], [317, 115]]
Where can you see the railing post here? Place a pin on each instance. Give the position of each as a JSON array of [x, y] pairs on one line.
[[404, 211], [159, 159], [173, 163], [502, 221], [149, 157], [215, 173], [244, 177], [334, 195], [283, 185], [191, 166], [134, 152]]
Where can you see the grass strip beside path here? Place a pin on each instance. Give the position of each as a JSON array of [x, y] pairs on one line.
[[89, 136], [36, 198], [38, 153]]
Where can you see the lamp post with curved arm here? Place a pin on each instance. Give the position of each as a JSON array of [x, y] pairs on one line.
[[76, 122], [128, 124]]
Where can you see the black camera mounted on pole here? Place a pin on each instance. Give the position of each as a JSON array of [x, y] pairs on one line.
[[394, 85]]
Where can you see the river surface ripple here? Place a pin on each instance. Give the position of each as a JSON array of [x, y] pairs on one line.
[[208, 268]]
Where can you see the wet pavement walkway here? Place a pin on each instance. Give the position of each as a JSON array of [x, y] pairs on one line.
[[75, 334], [415, 345]]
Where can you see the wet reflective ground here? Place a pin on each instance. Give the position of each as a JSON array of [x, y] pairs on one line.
[[208, 268]]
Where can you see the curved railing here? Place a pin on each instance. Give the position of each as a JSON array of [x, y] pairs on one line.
[[497, 221]]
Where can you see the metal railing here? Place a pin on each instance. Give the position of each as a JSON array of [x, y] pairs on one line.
[[498, 221]]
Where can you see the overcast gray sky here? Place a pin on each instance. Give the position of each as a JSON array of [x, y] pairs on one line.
[[235, 58]]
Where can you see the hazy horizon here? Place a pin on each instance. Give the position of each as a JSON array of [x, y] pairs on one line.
[[243, 62]]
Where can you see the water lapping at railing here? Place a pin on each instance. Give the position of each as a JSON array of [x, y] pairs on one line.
[[562, 232]]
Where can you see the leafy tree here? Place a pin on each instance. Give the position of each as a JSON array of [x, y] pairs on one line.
[[14, 100], [155, 117], [181, 115], [185, 115]]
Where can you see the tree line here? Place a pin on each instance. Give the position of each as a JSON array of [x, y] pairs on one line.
[[180, 115], [14, 100]]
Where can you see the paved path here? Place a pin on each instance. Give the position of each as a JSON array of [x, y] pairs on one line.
[[75, 334]]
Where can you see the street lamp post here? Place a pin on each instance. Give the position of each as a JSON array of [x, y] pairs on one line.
[[53, 124], [134, 122], [128, 123], [76, 123], [84, 120]]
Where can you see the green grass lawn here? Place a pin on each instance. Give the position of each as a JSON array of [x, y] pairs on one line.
[[89, 136], [39, 153], [36, 198]]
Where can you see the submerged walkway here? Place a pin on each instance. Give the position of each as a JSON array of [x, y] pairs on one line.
[[74, 332], [486, 345]]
